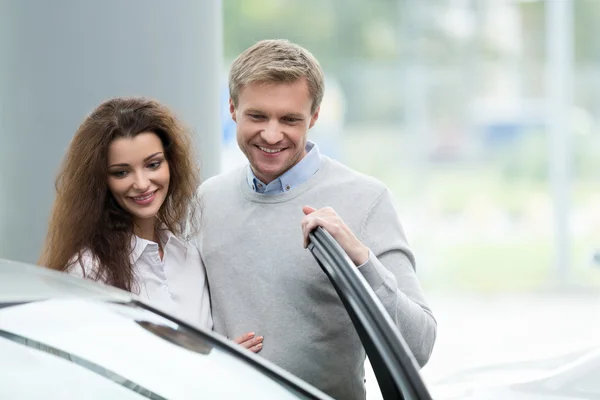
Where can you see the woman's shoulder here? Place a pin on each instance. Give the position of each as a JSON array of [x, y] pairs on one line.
[[83, 264]]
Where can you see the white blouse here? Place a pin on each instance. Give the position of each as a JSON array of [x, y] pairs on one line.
[[176, 284]]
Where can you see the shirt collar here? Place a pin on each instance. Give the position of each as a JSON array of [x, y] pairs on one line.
[[138, 244], [293, 177]]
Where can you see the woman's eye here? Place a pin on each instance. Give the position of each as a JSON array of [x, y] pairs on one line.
[[119, 174], [154, 165]]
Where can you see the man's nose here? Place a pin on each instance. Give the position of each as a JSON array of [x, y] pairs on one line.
[[272, 133]]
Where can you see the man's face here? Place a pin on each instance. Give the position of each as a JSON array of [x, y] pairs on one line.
[[273, 120]]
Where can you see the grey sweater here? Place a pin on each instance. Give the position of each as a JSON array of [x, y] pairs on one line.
[[262, 279]]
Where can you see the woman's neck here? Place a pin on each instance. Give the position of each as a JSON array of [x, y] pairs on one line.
[[146, 229]]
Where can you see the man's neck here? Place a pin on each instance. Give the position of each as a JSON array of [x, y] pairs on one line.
[[298, 173]]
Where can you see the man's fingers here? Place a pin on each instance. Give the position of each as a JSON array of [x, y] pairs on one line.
[[250, 343], [312, 222], [325, 217], [257, 348], [244, 337], [307, 210], [308, 227]]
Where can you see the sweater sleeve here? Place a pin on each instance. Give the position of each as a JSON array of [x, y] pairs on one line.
[[390, 271]]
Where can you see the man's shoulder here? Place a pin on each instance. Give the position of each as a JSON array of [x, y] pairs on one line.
[[221, 182], [350, 179]]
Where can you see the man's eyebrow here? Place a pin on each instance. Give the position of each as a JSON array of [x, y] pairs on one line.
[[288, 115]]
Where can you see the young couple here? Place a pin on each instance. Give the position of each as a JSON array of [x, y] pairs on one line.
[[129, 213]]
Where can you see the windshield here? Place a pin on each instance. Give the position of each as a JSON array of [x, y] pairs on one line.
[[73, 349]]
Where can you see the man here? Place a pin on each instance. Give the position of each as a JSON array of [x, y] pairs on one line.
[[254, 220]]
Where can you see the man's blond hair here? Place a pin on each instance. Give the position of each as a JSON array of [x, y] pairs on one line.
[[277, 61]]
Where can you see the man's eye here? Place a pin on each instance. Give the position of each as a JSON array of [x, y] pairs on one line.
[[256, 116]]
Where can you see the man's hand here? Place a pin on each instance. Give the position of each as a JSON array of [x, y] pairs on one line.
[[250, 341], [328, 219]]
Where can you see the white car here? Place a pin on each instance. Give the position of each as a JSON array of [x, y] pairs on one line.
[[63, 337]]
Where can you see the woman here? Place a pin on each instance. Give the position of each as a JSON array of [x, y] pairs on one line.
[[124, 196]]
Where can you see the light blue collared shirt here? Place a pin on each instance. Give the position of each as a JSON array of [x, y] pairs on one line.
[[293, 177]]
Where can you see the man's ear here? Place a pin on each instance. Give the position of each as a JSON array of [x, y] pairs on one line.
[[232, 110], [314, 117]]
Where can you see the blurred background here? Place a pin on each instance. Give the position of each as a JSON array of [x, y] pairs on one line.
[[449, 104], [481, 116]]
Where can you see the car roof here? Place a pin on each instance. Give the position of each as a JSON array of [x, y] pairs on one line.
[[21, 282]]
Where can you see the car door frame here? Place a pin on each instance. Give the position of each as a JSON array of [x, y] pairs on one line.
[[393, 363]]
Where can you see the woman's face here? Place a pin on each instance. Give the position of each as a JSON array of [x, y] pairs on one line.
[[138, 175]]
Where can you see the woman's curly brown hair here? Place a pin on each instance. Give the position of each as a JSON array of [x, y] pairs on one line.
[[86, 217]]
